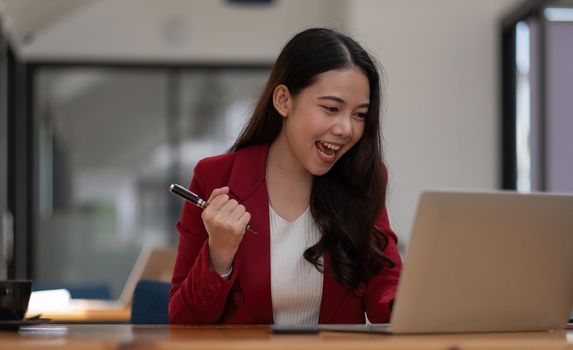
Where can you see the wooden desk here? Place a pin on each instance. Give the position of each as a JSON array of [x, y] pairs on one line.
[[258, 337]]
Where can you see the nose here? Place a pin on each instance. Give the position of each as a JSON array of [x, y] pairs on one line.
[[342, 127]]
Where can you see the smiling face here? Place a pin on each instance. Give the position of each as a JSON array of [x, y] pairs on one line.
[[324, 120]]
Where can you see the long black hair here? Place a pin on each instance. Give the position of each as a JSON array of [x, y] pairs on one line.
[[346, 201]]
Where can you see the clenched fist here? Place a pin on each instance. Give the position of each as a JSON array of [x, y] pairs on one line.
[[226, 221]]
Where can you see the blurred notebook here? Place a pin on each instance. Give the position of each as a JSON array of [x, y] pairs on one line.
[[485, 262], [152, 263]]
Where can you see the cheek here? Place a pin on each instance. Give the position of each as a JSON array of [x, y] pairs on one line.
[[308, 124], [358, 131]]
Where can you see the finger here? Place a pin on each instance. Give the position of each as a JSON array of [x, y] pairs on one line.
[[244, 220], [237, 212], [218, 202], [218, 191], [228, 207]]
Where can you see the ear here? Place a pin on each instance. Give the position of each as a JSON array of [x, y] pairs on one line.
[[282, 100]]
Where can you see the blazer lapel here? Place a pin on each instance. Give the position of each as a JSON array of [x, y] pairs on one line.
[[332, 293], [247, 183]]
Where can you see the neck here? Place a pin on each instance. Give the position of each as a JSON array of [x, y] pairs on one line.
[[281, 160], [288, 182]]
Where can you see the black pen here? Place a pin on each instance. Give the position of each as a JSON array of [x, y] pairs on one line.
[[195, 199]]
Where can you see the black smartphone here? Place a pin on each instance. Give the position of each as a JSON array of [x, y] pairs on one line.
[[294, 329]]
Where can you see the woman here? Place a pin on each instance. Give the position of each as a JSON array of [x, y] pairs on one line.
[[306, 175]]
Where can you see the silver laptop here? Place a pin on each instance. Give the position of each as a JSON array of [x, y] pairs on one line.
[[485, 262]]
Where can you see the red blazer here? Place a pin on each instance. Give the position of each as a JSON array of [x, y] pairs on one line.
[[199, 295]]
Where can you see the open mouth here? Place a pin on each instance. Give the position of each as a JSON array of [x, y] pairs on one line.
[[327, 150]]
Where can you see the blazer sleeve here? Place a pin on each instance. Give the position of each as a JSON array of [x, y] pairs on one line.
[[198, 293], [381, 289]]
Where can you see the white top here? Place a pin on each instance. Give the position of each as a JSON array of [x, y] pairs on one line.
[[296, 285]]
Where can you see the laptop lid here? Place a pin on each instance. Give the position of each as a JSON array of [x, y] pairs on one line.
[[481, 262], [153, 264]]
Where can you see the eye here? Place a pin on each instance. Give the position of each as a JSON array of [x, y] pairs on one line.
[[330, 109], [361, 115]]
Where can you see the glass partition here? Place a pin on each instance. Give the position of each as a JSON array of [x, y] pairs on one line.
[[111, 140]]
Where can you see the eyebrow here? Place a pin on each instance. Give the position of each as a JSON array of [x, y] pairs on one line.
[[339, 100]]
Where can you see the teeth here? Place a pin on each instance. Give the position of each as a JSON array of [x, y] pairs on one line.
[[331, 156], [331, 146]]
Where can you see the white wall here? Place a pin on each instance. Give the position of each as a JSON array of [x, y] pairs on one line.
[[441, 125], [172, 30]]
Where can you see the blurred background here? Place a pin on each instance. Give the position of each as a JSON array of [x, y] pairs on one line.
[[104, 103]]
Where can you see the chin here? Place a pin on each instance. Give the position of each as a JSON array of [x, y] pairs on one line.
[[319, 171]]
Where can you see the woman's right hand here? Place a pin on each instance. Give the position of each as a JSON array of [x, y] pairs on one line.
[[226, 221]]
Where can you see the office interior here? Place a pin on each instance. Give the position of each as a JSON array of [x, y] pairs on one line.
[[104, 103]]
